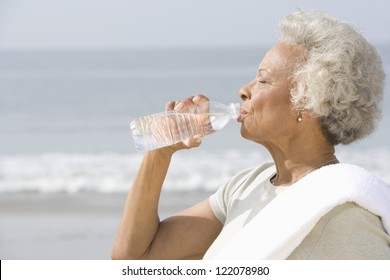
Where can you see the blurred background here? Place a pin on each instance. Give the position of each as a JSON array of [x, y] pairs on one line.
[[74, 73]]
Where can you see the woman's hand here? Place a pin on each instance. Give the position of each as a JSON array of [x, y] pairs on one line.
[[183, 106], [185, 235]]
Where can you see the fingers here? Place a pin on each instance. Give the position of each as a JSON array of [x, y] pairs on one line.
[[186, 104], [199, 99], [170, 106], [189, 104], [192, 142]]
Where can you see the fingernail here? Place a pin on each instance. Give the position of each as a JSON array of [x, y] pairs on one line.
[[179, 106], [196, 98], [198, 138]]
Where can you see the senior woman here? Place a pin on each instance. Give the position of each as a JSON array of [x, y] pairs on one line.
[[320, 86]]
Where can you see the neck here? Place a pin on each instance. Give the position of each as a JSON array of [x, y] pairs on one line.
[[293, 164]]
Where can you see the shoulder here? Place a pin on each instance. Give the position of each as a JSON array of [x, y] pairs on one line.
[[237, 184], [245, 178], [346, 232]]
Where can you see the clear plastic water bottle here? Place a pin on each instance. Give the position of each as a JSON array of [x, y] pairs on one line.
[[167, 128]]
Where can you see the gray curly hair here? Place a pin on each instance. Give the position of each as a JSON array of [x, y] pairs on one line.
[[340, 79]]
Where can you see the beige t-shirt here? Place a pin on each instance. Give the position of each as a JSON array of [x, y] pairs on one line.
[[346, 232]]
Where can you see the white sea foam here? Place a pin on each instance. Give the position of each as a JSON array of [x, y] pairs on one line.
[[113, 173]]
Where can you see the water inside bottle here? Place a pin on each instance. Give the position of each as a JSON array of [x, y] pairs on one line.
[[218, 121], [160, 130]]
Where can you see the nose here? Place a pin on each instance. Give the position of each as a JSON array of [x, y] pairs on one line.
[[245, 92]]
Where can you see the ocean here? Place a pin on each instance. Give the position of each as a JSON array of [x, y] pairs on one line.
[[64, 118]]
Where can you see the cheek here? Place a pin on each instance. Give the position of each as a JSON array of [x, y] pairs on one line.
[[272, 109]]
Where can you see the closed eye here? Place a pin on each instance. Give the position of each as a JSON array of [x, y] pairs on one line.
[[264, 76]]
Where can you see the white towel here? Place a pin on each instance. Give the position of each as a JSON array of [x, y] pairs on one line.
[[283, 224]]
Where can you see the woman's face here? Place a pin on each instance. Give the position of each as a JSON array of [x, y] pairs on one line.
[[266, 113]]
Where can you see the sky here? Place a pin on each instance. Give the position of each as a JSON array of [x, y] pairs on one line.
[[112, 24]]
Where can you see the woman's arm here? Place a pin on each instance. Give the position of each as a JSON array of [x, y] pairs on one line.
[[141, 235]]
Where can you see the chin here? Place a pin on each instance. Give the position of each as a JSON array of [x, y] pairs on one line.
[[245, 134], [250, 136]]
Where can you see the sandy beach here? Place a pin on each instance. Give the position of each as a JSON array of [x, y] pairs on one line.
[[66, 154], [69, 227]]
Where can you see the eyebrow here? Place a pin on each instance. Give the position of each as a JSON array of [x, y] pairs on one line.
[[259, 71]]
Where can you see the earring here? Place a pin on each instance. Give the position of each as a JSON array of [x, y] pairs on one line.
[[299, 119]]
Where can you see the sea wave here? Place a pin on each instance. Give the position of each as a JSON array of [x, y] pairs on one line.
[[114, 173]]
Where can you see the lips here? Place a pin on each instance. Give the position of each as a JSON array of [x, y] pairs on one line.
[[243, 114]]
